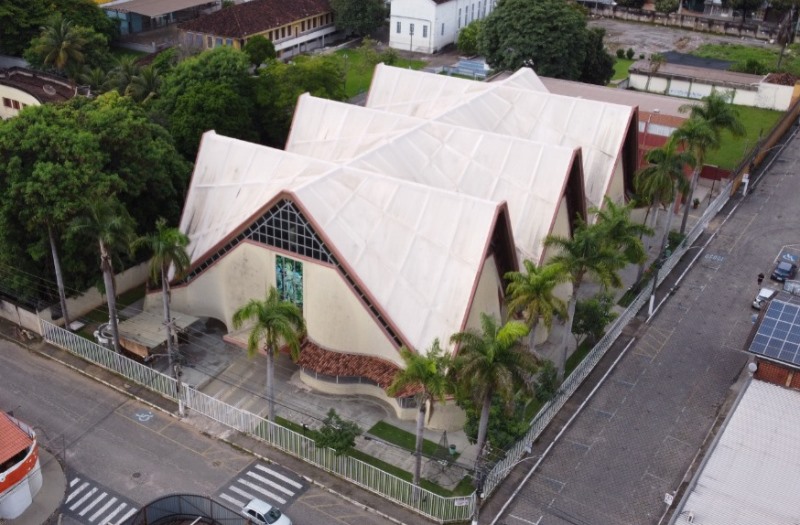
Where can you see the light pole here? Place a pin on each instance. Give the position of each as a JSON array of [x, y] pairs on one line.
[[644, 135]]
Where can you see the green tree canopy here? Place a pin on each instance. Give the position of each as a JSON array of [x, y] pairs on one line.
[[21, 21], [359, 17], [547, 35], [259, 50], [598, 67], [338, 434], [468, 38]]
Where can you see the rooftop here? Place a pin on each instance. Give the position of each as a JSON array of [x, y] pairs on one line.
[[257, 16], [43, 87]]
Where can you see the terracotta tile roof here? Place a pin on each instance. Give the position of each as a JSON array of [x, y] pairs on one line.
[[251, 18], [330, 363], [13, 439]]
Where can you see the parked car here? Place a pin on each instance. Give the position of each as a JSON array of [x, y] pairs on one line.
[[784, 270], [764, 295], [262, 513]]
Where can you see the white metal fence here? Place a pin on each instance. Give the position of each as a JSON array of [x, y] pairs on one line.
[[439, 508]]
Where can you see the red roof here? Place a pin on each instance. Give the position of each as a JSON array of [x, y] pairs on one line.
[[252, 18], [13, 439]]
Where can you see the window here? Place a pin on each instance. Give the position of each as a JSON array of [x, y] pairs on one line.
[[443, 28], [398, 27], [198, 40], [15, 104], [473, 11], [209, 42], [303, 25], [7, 102], [411, 29], [228, 41], [424, 31], [459, 18], [219, 41]]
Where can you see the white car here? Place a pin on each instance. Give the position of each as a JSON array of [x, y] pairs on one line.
[[764, 295], [262, 513]]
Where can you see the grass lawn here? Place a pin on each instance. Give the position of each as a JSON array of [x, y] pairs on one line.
[[621, 66], [757, 122], [119, 52], [401, 438], [740, 53], [359, 75]]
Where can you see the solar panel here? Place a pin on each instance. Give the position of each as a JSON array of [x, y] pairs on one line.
[[778, 335]]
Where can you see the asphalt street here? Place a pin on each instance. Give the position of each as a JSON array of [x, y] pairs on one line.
[[636, 439], [121, 454]]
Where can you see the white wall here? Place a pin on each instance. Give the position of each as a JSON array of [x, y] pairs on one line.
[[443, 22], [487, 295], [20, 96]]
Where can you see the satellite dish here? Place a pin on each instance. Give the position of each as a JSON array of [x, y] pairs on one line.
[[49, 89]]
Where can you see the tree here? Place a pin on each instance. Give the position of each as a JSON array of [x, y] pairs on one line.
[[259, 50], [598, 67], [547, 35], [699, 137], [123, 73], [167, 248], [358, 17], [719, 113], [620, 232], [468, 38], [745, 8], [427, 374], [106, 220], [60, 45], [145, 85], [586, 253], [663, 178], [88, 14], [592, 316], [274, 321], [493, 363], [530, 293], [666, 6], [96, 78], [21, 21], [338, 434]]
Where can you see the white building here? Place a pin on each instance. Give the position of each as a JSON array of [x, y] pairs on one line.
[[426, 26]]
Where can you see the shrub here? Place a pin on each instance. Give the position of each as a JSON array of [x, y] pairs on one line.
[[666, 6], [674, 239], [546, 382], [751, 66], [620, 53], [338, 434], [629, 54], [641, 56]]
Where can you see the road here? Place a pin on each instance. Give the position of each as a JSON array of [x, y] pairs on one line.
[[636, 438], [124, 451]]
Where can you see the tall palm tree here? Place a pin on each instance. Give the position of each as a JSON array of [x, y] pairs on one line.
[[109, 223], [531, 294], [62, 295], [720, 114], [60, 44], [145, 85], [96, 78], [662, 180], [168, 248], [699, 137], [586, 253], [616, 227], [493, 362], [428, 374], [275, 321]]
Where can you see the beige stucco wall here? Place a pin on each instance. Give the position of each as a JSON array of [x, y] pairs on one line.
[[335, 318], [616, 186], [13, 93], [487, 295]]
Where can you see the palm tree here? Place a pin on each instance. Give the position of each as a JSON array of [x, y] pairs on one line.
[[124, 72], [586, 253], [699, 137], [60, 44], [275, 320], [616, 227], [168, 248], [62, 296], [663, 179], [96, 78], [428, 374], [107, 221], [145, 85], [531, 294], [493, 362], [719, 113]]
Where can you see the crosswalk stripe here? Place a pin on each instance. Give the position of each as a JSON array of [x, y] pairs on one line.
[[235, 501], [271, 483], [279, 476], [84, 498], [76, 492], [241, 492], [74, 481], [123, 518], [116, 511], [262, 491], [94, 502], [103, 509]]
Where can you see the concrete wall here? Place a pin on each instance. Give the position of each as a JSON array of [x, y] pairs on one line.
[[16, 97], [487, 296], [335, 317], [435, 25]]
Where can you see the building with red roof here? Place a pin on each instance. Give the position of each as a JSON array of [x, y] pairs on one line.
[[20, 475]]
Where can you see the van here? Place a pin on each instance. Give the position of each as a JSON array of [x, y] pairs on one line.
[[764, 295]]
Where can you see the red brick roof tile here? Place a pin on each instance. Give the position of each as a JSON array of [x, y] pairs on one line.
[[252, 18], [330, 363], [13, 439]]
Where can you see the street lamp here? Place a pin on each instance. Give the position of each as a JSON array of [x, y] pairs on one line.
[[646, 129]]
